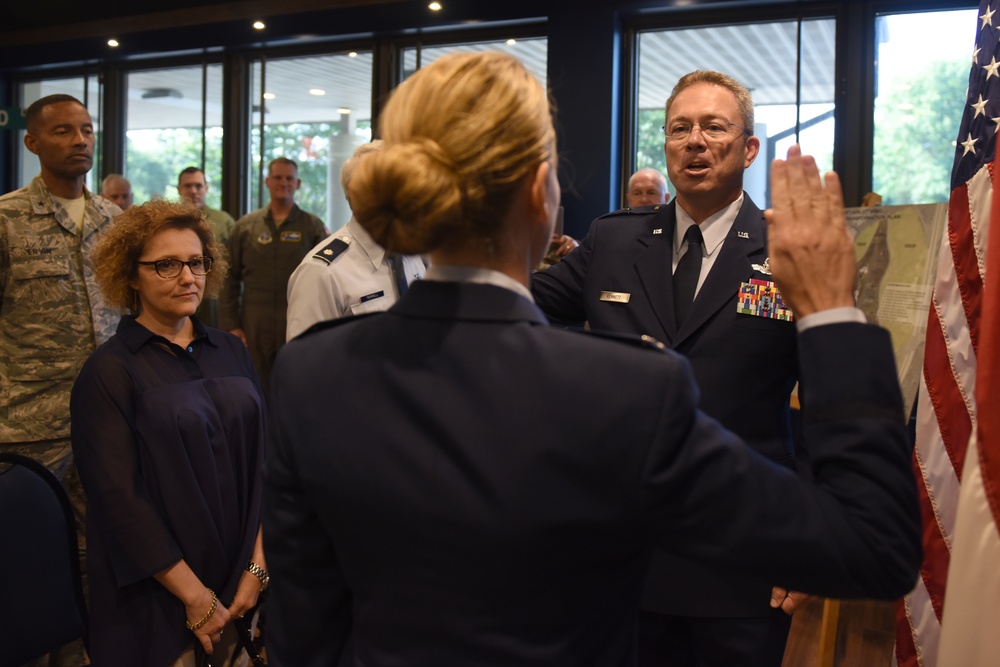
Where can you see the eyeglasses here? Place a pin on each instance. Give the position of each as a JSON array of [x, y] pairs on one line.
[[171, 268], [714, 129]]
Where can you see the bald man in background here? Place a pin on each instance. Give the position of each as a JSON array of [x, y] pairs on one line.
[[117, 189], [647, 187]]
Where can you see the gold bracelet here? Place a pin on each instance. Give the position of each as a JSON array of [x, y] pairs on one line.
[[204, 619], [260, 573]]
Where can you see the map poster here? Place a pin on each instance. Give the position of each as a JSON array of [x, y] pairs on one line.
[[897, 249]]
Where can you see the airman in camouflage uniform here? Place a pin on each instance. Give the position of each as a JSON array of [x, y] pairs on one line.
[[52, 314]]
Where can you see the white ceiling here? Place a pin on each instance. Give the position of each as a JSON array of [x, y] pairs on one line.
[[346, 80], [762, 56]]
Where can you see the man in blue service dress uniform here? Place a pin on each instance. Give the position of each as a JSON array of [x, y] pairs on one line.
[[675, 272]]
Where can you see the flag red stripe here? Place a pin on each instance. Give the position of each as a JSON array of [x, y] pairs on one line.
[[951, 412], [963, 253], [988, 378], [906, 650]]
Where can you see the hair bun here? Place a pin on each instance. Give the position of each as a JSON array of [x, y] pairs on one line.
[[408, 196]]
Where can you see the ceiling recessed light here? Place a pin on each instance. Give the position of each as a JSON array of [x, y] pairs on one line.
[[317, 91], [112, 43], [343, 111], [352, 54], [511, 42], [258, 25], [434, 6], [268, 96]]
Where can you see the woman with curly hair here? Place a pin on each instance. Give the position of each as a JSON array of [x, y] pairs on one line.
[[167, 427]]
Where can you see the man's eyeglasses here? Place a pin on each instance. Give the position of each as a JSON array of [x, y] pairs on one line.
[[714, 129], [171, 268]]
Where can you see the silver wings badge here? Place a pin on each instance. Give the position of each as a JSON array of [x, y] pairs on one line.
[[763, 268]]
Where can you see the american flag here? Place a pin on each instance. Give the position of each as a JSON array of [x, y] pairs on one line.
[[957, 454]]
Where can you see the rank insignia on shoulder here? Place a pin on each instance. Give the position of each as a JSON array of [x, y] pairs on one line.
[[331, 250], [761, 298], [619, 213], [649, 341]]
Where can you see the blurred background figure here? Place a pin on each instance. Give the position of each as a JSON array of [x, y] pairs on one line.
[[193, 188], [117, 190], [168, 429], [647, 187]]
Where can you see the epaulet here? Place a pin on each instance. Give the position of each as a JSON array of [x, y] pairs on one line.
[[329, 324], [644, 341], [637, 210], [331, 250]]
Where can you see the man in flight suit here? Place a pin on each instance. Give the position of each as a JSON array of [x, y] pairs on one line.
[[264, 248]]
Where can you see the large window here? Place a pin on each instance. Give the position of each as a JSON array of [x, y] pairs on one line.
[[314, 111], [174, 121], [920, 95], [87, 89], [787, 65]]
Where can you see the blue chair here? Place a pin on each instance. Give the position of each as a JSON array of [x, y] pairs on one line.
[[41, 597]]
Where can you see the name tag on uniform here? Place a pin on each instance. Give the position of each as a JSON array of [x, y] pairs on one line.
[[762, 299], [291, 237], [373, 295], [617, 297]]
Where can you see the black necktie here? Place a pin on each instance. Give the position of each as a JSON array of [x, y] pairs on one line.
[[686, 275], [398, 272]]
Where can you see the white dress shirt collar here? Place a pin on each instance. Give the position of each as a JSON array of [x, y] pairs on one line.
[[476, 274]]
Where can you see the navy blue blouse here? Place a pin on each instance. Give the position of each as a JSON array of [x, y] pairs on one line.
[[169, 445]]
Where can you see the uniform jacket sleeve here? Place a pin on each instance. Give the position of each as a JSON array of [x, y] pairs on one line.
[[312, 297], [558, 290], [852, 532]]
